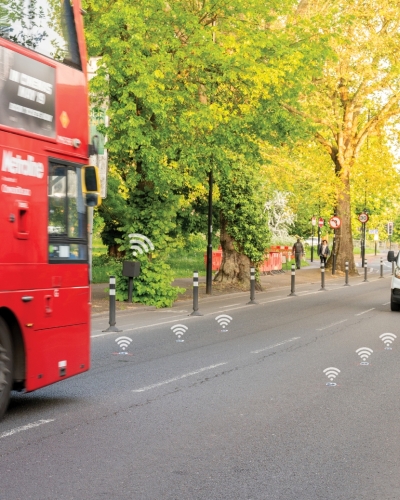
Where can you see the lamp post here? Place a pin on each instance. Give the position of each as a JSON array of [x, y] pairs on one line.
[[209, 236], [313, 223], [376, 239]]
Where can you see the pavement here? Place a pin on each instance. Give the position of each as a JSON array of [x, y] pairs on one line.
[[310, 274]]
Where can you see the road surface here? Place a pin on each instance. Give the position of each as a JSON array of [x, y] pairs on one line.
[[239, 414]]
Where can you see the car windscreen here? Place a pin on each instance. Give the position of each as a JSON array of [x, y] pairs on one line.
[[45, 26]]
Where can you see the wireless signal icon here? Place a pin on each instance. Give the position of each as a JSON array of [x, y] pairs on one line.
[[140, 243], [123, 342], [223, 320], [364, 353], [179, 331], [331, 373], [388, 339]]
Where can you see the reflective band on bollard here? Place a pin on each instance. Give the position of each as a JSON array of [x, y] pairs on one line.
[[195, 295], [346, 270], [252, 286], [365, 271], [112, 320], [292, 282], [322, 278], [381, 275]]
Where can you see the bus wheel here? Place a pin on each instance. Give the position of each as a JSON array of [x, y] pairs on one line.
[[5, 366]]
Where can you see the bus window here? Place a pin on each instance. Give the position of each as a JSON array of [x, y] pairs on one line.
[[67, 214], [45, 27]]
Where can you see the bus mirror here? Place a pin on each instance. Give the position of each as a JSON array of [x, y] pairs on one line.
[[92, 199], [91, 185], [390, 256]]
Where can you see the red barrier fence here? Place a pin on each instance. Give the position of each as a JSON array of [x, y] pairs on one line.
[[216, 259], [275, 256]]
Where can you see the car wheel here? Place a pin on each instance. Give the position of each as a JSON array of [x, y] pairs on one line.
[[5, 366]]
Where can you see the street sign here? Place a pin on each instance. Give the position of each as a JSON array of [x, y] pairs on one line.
[[363, 218], [314, 221], [373, 231], [320, 222], [335, 222]]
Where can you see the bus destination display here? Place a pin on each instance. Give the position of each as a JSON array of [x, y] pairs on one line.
[[27, 94]]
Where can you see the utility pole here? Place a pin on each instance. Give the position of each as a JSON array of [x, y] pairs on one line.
[[209, 236]]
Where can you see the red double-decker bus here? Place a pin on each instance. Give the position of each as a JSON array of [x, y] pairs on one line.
[[44, 276]]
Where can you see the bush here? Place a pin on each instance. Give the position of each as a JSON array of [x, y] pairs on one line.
[[152, 287]]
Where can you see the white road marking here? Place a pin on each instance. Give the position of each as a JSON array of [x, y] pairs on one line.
[[368, 310], [275, 300], [190, 374], [138, 327], [275, 345], [332, 324], [171, 311], [25, 428], [386, 303]]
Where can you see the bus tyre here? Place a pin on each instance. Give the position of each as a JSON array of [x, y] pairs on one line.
[[5, 366], [394, 306]]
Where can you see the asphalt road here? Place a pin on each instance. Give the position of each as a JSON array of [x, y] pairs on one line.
[[238, 414]]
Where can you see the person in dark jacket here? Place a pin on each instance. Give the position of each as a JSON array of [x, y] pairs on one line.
[[298, 251], [323, 252]]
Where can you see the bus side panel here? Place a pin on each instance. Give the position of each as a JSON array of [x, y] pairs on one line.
[[23, 200], [56, 354], [47, 350]]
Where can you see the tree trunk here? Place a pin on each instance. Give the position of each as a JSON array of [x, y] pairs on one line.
[[235, 266], [344, 238], [114, 251]]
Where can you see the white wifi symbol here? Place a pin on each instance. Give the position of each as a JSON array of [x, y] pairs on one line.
[[223, 320], [179, 331], [388, 339], [123, 342], [364, 353], [331, 373], [140, 243]]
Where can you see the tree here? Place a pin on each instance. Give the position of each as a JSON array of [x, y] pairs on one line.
[[280, 216], [358, 94], [302, 172], [192, 87]]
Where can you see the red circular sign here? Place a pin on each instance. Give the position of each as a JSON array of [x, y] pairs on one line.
[[363, 217], [335, 222], [320, 222]]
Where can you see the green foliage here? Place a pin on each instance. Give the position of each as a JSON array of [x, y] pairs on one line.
[[152, 287], [192, 87], [242, 206]]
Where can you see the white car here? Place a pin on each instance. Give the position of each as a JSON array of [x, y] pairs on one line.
[[395, 284]]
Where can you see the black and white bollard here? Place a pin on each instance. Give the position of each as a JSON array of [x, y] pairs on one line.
[[252, 286], [322, 278], [293, 282], [196, 295], [381, 267], [346, 270], [365, 271], [112, 320]]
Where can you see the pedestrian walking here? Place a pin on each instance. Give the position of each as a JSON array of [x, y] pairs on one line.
[[323, 252], [298, 251]]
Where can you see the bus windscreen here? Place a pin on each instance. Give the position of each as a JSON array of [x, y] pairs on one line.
[[42, 26]]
